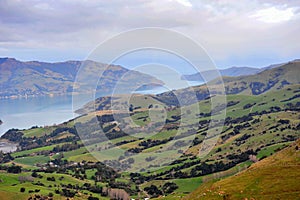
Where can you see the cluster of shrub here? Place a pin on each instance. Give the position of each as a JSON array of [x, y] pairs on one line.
[[166, 189], [26, 143]]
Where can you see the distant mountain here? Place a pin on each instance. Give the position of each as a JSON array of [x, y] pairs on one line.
[[232, 71], [212, 74], [270, 178], [33, 78]]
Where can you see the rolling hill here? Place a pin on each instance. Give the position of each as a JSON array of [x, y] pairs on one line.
[[274, 177], [271, 79], [136, 146], [268, 80]]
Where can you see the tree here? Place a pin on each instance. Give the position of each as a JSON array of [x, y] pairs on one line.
[[14, 169], [131, 108], [50, 178], [153, 191], [34, 174], [68, 193], [93, 198], [169, 187]]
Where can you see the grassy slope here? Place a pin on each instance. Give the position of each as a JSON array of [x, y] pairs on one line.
[[272, 178], [234, 111], [263, 102], [289, 72], [10, 186]]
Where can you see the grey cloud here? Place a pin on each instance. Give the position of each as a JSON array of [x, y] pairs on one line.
[[223, 27]]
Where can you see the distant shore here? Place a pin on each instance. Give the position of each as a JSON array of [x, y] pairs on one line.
[[35, 96]]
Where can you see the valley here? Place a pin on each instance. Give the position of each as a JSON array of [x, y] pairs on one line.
[[150, 147]]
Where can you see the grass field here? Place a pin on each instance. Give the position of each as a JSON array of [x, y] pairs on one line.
[[10, 186], [38, 131], [31, 161], [272, 178], [35, 150], [265, 152]]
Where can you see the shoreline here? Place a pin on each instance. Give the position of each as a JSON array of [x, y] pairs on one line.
[[144, 90]]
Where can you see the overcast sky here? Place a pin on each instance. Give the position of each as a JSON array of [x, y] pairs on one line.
[[234, 33]]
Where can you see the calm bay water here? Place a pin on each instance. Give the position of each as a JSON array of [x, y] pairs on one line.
[[39, 111], [25, 113]]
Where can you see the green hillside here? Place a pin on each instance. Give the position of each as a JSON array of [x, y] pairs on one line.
[[33, 78], [267, 80], [272, 79], [151, 148], [275, 177]]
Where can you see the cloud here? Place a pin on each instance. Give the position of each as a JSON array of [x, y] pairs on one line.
[[226, 28], [184, 3], [274, 15]]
